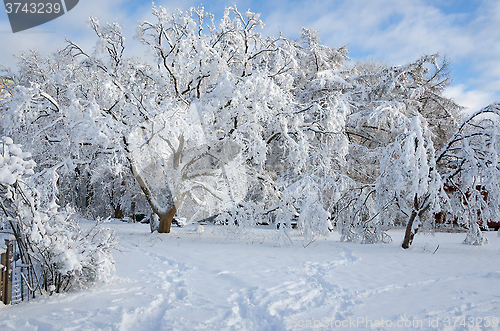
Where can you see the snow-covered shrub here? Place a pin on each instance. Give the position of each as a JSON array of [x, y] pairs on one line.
[[239, 219], [312, 218], [58, 252], [67, 254], [302, 208], [358, 217], [475, 236], [12, 163]]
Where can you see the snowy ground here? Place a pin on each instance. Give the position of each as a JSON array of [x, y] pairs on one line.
[[198, 281]]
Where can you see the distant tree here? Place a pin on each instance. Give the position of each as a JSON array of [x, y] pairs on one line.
[[46, 111]]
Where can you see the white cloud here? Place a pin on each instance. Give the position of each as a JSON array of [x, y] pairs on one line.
[[473, 100], [416, 27]]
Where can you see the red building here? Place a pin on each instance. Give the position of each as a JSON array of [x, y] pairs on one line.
[[441, 217]]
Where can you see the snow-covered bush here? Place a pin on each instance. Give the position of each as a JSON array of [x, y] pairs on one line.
[[306, 201], [12, 163], [59, 253], [358, 218], [239, 219], [68, 255]]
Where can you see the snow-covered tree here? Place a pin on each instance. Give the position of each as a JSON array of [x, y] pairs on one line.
[[245, 88], [409, 179], [380, 104], [470, 161]]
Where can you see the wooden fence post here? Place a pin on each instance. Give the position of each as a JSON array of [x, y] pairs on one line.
[[3, 258], [7, 261]]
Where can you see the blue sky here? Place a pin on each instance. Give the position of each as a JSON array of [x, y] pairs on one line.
[[394, 31]]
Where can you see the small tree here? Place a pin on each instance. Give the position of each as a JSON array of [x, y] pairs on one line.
[[470, 162], [409, 178]]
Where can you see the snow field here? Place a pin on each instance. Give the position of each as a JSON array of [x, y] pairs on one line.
[[193, 280]]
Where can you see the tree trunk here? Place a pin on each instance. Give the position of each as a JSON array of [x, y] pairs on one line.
[[166, 220], [7, 261], [409, 234], [118, 211], [418, 210]]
